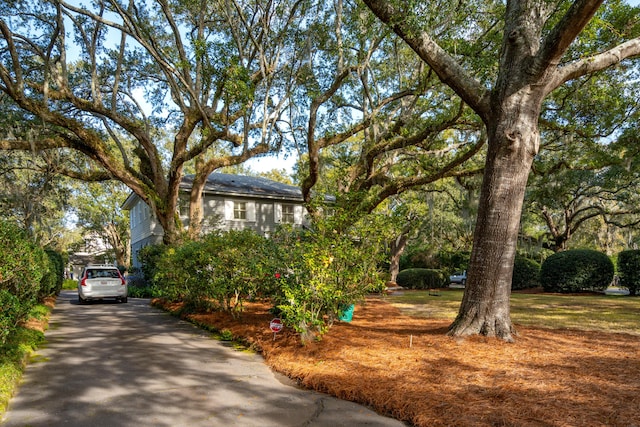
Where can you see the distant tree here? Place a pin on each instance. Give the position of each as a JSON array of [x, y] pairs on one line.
[[587, 170], [567, 201], [97, 207], [33, 195], [278, 175], [383, 119]]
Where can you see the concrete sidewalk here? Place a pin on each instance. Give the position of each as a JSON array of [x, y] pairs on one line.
[[109, 364]]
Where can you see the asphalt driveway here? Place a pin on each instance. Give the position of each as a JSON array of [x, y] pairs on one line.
[[110, 364]]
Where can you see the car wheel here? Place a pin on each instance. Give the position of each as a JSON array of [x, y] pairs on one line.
[[124, 299], [80, 300], [464, 282]]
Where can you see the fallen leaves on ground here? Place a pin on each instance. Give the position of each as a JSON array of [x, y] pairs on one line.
[[407, 368]]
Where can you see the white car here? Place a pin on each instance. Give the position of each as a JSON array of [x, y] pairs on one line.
[[101, 281]]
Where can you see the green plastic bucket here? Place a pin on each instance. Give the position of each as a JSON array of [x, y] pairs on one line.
[[346, 315]]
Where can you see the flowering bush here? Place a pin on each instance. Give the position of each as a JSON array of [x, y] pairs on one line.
[[323, 273]]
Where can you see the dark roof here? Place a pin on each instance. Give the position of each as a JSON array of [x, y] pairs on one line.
[[222, 183]]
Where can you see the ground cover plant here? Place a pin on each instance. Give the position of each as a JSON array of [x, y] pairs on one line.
[[19, 345], [395, 357]]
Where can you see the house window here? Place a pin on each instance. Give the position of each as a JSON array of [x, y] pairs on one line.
[[288, 216], [183, 206], [240, 210]]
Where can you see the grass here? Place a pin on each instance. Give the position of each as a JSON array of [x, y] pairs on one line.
[[69, 284], [605, 313], [15, 352]]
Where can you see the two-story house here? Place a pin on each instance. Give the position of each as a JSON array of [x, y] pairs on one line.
[[231, 202]]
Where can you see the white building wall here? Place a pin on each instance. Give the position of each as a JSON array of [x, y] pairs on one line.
[[263, 216]]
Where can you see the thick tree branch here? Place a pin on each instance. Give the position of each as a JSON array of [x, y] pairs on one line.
[[312, 144], [566, 31], [446, 67], [594, 63]]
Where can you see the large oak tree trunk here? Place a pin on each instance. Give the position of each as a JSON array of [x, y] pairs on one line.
[[397, 247], [196, 212], [513, 142]]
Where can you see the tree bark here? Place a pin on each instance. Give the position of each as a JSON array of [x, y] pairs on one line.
[[196, 212], [397, 248], [485, 307]]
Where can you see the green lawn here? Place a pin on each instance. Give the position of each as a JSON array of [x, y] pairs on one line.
[[609, 313]]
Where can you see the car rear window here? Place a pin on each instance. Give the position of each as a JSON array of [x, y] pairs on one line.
[[108, 273]]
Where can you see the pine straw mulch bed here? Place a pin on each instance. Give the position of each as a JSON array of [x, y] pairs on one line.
[[407, 368]]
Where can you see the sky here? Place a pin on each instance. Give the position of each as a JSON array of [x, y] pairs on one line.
[[268, 163]]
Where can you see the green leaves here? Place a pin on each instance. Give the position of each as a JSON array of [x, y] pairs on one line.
[[309, 276], [218, 272], [22, 267], [321, 272]]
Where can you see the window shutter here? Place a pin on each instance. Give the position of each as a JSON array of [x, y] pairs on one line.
[[251, 211], [277, 213], [228, 210], [297, 214]]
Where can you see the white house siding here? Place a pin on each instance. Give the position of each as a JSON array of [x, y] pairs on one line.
[[263, 198], [261, 216], [145, 229]]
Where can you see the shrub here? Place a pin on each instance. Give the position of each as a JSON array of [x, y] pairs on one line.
[[309, 275], [143, 292], [69, 284], [51, 281], [629, 270], [149, 258], [320, 273], [10, 314], [576, 271], [526, 273], [218, 272], [421, 278], [22, 266]]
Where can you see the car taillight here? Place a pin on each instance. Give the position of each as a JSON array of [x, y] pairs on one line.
[[83, 282], [124, 282]]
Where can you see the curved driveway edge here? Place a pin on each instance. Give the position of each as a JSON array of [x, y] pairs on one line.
[[110, 364]]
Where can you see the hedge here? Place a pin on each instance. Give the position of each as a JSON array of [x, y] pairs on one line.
[[526, 273], [22, 267], [576, 271], [629, 270], [422, 278]]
